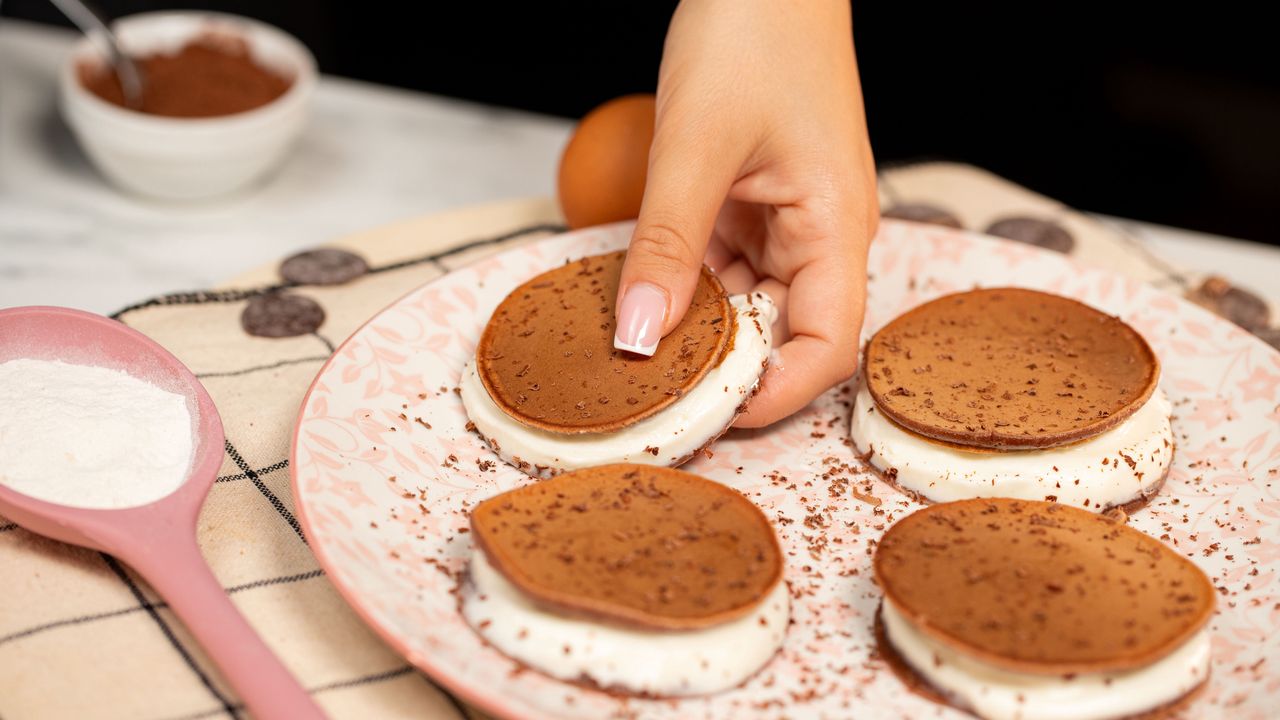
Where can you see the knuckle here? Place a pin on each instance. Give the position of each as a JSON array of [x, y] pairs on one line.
[[661, 246], [839, 357]]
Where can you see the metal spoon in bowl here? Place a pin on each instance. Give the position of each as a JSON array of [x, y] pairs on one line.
[[91, 22]]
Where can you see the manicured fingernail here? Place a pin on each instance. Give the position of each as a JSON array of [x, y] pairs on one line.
[[640, 316]]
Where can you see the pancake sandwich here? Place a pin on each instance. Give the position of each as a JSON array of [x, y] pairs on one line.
[[549, 392], [635, 579], [1008, 392], [1027, 610]]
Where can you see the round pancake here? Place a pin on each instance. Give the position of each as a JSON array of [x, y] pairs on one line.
[[547, 357], [641, 546], [1039, 587], [1009, 369]]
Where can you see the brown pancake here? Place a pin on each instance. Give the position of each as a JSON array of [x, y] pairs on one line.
[[547, 356], [1041, 588], [1009, 369], [641, 546]]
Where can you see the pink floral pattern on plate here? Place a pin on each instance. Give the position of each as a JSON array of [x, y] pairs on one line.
[[385, 473]]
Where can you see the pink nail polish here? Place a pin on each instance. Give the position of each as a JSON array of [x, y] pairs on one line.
[[640, 316]]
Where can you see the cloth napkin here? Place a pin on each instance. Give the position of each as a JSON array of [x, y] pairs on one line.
[[81, 636]]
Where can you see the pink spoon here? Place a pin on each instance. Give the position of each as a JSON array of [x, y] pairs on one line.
[[158, 539]]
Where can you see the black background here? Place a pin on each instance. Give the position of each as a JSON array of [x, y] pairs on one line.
[[1164, 113]]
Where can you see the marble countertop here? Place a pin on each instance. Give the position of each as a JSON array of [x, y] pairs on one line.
[[369, 156]]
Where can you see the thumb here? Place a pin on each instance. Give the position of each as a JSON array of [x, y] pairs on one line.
[[683, 193]]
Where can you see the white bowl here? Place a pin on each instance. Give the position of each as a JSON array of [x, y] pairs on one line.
[[181, 158]]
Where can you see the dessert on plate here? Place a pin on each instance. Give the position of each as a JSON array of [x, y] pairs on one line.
[[549, 392], [1007, 392], [1027, 610], [635, 579]]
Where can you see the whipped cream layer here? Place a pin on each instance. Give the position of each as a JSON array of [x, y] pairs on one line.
[[653, 662], [998, 694], [669, 437], [1121, 465]]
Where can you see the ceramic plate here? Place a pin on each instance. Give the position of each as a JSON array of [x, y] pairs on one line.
[[385, 472]]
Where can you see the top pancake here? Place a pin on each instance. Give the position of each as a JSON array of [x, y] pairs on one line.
[[641, 546], [1039, 587], [1009, 369], [547, 356]]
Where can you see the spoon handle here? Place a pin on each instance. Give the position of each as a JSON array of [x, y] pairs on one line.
[[90, 19], [179, 573]]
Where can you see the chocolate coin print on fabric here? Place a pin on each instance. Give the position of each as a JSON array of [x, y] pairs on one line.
[[278, 315], [323, 266], [1032, 231]]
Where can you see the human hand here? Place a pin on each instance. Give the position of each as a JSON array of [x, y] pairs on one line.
[[760, 166]]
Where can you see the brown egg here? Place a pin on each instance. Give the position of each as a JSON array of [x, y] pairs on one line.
[[603, 167]]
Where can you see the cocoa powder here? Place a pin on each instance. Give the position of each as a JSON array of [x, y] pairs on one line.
[[210, 76]]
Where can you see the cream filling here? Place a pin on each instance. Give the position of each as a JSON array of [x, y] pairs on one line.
[[677, 431], [665, 663], [1120, 465], [997, 694]]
